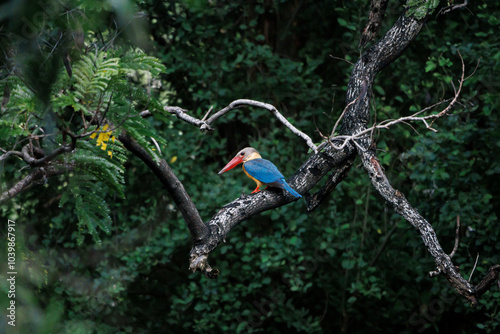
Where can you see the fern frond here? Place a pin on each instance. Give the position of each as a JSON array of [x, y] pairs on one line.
[[24, 98], [138, 61], [92, 74], [93, 160], [91, 209]]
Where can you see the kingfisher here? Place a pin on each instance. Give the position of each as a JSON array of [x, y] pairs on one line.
[[262, 171]]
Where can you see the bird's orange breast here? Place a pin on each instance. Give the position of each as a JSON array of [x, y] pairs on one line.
[[260, 184]]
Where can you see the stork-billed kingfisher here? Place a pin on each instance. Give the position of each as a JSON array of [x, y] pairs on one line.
[[262, 171]]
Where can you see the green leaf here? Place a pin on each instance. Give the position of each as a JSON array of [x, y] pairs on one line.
[[430, 66]]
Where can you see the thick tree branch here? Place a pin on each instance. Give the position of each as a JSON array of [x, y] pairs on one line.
[[43, 167], [166, 175], [355, 126], [376, 58], [489, 279], [444, 264]]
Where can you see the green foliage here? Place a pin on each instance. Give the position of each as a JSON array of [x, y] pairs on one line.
[[92, 75], [421, 8], [96, 97]]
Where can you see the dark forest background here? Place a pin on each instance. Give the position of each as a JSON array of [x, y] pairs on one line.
[[351, 266]]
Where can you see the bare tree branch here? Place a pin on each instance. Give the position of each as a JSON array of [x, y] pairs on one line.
[[386, 124], [206, 125], [444, 264], [182, 114], [491, 276], [175, 187], [37, 162], [447, 9], [402, 207], [473, 268], [38, 174]]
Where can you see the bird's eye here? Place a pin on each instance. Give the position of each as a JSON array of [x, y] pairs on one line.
[[242, 153]]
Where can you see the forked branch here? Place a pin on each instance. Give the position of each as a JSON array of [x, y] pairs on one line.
[[444, 265], [205, 125], [416, 117]]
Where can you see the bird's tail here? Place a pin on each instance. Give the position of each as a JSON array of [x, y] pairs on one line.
[[287, 187]]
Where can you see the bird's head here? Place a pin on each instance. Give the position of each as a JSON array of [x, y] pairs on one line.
[[246, 154]]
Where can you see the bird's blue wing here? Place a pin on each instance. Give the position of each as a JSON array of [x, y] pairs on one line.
[[266, 172], [263, 170], [286, 186]]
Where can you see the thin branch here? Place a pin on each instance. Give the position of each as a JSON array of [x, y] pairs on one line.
[[208, 113], [206, 125], [342, 59], [181, 114], [38, 174], [473, 268], [447, 9], [386, 124], [475, 69], [145, 113], [8, 153], [457, 239], [37, 162]]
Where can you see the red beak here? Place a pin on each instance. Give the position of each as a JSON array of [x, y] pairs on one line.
[[231, 164]]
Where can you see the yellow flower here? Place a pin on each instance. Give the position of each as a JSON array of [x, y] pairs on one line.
[[104, 137], [174, 159]]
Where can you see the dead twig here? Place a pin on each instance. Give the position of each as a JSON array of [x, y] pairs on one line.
[[474, 268], [205, 125], [386, 124]]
